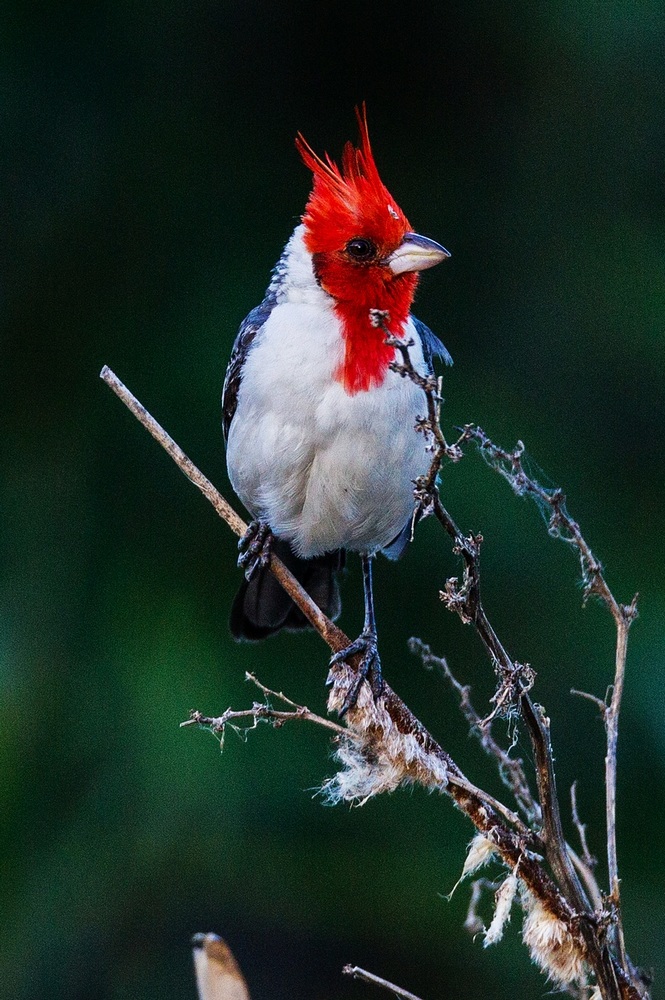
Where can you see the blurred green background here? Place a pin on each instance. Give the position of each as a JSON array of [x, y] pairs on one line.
[[150, 183]]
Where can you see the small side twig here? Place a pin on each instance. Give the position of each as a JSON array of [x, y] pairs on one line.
[[431, 424], [473, 922], [262, 711], [598, 702], [510, 769], [587, 856], [586, 863], [369, 977]]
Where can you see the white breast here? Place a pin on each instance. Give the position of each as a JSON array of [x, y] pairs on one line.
[[325, 469]]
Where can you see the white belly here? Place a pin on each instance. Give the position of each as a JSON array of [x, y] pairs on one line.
[[325, 469]]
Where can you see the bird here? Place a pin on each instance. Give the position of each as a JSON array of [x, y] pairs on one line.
[[321, 440]]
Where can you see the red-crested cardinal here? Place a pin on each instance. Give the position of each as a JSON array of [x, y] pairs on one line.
[[320, 434]]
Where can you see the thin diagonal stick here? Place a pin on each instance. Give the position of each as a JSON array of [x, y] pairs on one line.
[[369, 977], [334, 636]]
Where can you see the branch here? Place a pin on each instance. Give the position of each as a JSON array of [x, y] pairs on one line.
[[561, 525], [587, 857], [431, 424], [510, 769], [383, 745], [262, 712], [516, 678], [369, 977], [385, 734], [586, 863], [326, 629]]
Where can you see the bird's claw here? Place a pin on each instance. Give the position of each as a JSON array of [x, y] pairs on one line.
[[255, 547], [370, 668]]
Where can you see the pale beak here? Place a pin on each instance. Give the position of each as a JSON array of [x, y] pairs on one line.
[[415, 253]]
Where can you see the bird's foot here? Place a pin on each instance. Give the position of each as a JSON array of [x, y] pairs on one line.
[[370, 668], [255, 547]]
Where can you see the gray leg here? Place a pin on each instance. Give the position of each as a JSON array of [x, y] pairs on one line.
[[370, 666]]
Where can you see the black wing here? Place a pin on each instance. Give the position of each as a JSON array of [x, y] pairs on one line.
[[432, 346], [249, 328]]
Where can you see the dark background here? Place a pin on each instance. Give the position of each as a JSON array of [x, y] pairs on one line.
[[150, 182]]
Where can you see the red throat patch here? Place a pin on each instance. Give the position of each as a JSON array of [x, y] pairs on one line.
[[348, 204], [366, 354]]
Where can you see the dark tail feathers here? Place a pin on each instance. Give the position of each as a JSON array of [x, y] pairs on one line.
[[262, 608]]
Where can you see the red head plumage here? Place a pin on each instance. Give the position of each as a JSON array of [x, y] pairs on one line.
[[349, 201], [351, 208]]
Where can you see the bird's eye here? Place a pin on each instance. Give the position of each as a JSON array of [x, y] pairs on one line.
[[361, 249]]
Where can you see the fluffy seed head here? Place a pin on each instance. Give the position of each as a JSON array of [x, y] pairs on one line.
[[550, 943], [481, 849], [503, 901]]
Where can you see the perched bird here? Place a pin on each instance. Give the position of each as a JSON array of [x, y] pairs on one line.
[[320, 434]]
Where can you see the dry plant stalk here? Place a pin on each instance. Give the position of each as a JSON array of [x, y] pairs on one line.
[[572, 931], [218, 975], [368, 977]]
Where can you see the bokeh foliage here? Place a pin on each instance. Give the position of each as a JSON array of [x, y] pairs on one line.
[[150, 184]]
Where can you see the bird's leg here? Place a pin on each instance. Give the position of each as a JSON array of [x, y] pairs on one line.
[[255, 547], [366, 643]]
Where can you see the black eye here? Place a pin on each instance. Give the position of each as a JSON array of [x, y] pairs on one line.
[[361, 249]]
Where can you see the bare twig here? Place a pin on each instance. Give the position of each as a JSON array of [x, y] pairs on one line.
[[431, 424], [515, 678], [263, 712], [327, 629], [415, 754], [587, 857], [590, 884], [469, 606], [369, 977], [385, 732], [624, 617], [586, 863], [513, 690], [473, 922], [562, 525], [510, 769], [259, 712], [600, 704]]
